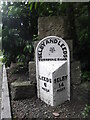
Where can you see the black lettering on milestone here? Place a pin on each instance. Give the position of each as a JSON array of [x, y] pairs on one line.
[[64, 56], [55, 80], [64, 52], [66, 77], [62, 84], [62, 78], [55, 59], [59, 43], [47, 79], [45, 84], [45, 89], [64, 48], [58, 79], [41, 47], [51, 41], [42, 78], [62, 45], [59, 85], [43, 43], [50, 80], [47, 41], [61, 89], [39, 53], [55, 41], [39, 56]]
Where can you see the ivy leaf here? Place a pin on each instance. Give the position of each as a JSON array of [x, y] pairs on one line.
[[35, 5], [31, 6]]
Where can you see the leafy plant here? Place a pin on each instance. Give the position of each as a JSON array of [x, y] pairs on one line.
[[86, 111], [21, 58], [6, 59], [26, 55], [85, 76], [35, 37], [20, 24]]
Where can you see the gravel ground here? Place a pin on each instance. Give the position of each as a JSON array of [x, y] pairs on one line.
[[35, 108]]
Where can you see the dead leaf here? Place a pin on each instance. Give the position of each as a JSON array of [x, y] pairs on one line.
[[56, 114]]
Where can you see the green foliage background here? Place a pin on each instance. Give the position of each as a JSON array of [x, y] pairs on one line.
[[20, 29]]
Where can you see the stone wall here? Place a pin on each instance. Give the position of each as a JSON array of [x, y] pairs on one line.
[[53, 26], [22, 90]]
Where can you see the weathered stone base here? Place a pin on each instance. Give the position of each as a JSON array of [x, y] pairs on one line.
[[22, 90]]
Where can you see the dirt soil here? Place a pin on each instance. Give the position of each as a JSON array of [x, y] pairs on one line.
[[35, 108]]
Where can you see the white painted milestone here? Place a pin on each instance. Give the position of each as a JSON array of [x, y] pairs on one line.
[[53, 70]]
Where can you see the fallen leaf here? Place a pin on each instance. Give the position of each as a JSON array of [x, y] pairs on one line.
[[56, 114]]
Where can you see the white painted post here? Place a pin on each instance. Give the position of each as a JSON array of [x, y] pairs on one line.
[[53, 70]]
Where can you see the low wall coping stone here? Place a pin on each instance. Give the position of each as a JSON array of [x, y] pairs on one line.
[[5, 102]]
